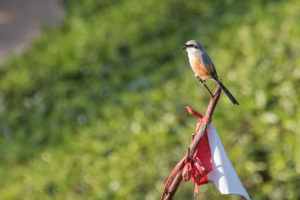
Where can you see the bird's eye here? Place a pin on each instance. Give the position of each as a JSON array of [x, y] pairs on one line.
[[191, 45]]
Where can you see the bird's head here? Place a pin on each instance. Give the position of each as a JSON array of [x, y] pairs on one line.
[[192, 46]]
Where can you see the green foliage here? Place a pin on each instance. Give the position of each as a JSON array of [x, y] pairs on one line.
[[95, 108]]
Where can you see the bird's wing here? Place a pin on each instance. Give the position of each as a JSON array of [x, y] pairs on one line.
[[208, 62]]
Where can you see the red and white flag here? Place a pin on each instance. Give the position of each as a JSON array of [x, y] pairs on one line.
[[210, 164]]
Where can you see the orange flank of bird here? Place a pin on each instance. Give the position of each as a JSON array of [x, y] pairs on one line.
[[202, 70]]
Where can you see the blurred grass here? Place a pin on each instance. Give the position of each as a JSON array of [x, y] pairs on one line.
[[95, 108]]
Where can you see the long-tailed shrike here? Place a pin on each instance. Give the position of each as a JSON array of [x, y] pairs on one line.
[[203, 66]]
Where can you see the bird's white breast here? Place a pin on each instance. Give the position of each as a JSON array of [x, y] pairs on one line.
[[193, 56]]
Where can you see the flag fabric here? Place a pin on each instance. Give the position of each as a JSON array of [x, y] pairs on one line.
[[214, 160], [210, 164], [223, 174]]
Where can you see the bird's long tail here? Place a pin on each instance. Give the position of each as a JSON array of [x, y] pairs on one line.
[[233, 100]]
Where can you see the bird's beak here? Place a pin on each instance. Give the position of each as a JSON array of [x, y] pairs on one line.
[[183, 47]]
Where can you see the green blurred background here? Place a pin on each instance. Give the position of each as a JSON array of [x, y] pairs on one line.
[[95, 108]]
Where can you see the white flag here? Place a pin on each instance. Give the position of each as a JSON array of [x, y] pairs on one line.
[[223, 174]]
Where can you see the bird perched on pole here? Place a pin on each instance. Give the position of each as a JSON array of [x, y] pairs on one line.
[[203, 67]]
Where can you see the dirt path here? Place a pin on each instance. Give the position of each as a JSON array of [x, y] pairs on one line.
[[21, 20]]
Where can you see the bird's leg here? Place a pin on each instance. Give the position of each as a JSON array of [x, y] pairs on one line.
[[203, 83]]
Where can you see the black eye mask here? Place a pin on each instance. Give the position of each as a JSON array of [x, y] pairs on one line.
[[191, 45]]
